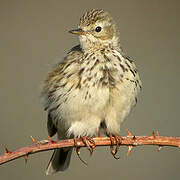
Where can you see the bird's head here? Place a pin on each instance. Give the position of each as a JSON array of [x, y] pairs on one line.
[[97, 30]]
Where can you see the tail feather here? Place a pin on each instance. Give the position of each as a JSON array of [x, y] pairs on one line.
[[59, 161]]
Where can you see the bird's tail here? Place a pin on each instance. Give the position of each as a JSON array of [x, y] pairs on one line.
[[59, 161]]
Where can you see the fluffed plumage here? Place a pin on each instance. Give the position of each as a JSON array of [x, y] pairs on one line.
[[95, 83]]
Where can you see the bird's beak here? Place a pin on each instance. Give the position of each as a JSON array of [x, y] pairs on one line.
[[78, 31]]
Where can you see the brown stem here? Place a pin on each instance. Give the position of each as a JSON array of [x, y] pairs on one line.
[[129, 141]]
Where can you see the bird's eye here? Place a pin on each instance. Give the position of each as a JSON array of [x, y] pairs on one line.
[[98, 29]]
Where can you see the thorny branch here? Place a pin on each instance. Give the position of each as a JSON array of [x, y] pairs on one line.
[[130, 141]]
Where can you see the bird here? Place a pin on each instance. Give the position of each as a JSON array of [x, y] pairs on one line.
[[94, 87]]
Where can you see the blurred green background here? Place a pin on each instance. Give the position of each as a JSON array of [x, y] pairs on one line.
[[33, 36]]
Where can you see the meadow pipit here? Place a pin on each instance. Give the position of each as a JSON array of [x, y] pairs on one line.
[[95, 86]]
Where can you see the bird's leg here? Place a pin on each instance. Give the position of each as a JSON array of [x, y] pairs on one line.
[[99, 133], [117, 142], [89, 143]]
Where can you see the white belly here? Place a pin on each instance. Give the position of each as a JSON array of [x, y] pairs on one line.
[[83, 111], [122, 99]]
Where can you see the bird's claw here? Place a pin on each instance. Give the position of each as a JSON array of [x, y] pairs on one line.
[[89, 143], [117, 143], [78, 151]]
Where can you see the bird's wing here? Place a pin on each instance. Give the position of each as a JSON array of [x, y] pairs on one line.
[[50, 126], [53, 82]]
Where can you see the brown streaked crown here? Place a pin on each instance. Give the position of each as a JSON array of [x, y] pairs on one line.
[[90, 17], [96, 30]]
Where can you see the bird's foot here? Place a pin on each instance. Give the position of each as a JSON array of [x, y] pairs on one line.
[[117, 142], [89, 143], [78, 151]]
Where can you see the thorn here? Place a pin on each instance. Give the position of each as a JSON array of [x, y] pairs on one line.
[[26, 158], [7, 150], [153, 134], [33, 140], [157, 133], [129, 150], [129, 133], [159, 148], [50, 140]]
